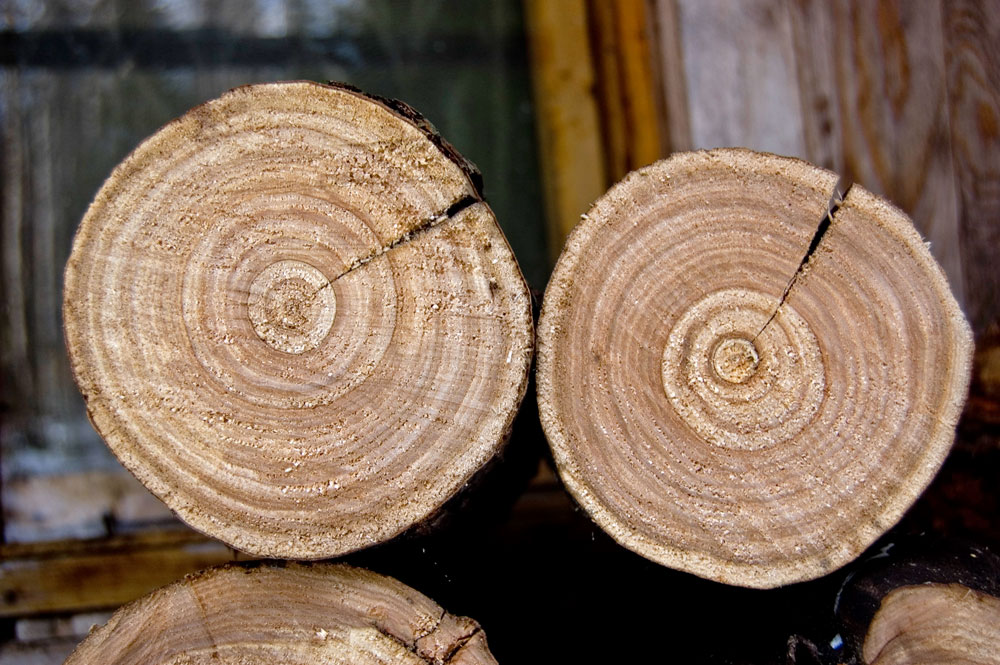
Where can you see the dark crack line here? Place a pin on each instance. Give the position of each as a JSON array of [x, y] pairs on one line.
[[414, 233], [840, 191], [411, 645], [460, 644]]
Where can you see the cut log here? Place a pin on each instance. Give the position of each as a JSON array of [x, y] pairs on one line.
[[299, 614], [735, 388], [295, 321], [904, 560], [935, 623]]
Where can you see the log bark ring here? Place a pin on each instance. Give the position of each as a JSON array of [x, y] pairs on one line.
[[295, 321], [728, 390], [297, 614]]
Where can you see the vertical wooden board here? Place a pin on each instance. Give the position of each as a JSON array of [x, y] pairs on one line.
[[972, 52], [669, 52], [610, 88], [632, 24], [890, 78], [566, 112], [627, 86], [815, 50], [739, 62]]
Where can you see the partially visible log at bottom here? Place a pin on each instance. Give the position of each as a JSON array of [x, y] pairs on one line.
[[293, 614], [935, 623], [904, 561]]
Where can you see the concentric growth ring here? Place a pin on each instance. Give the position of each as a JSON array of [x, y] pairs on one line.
[[295, 614], [714, 420], [281, 331]]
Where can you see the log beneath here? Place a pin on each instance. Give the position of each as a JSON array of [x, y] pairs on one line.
[[935, 623], [295, 321], [299, 614], [735, 388]]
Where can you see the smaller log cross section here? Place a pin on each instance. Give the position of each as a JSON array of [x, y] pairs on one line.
[[731, 391], [294, 319], [935, 623], [295, 614]]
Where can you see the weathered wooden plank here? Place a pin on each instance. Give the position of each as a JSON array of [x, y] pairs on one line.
[[887, 80], [669, 52], [627, 86], [815, 49], [45, 628], [72, 576], [610, 88], [739, 62], [567, 119], [972, 54]]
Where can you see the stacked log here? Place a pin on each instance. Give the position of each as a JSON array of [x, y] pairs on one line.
[[744, 376], [295, 613], [294, 319]]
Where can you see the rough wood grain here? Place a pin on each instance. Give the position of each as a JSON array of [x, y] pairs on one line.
[[722, 405], [814, 39], [935, 623], [295, 614], [881, 67], [906, 558], [294, 321], [972, 54]]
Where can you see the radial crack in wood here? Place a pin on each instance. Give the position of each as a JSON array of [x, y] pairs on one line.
[[935, 623], [703, 439], [295, 321], [452, 211], [297, 614], [836, 200]]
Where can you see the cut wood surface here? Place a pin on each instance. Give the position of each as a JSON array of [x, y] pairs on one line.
[[299, 614], [935, 623], [735, 389], [295, 321]]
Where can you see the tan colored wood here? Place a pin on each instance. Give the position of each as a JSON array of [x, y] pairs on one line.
[[292, 614], [294, 321], [79, 575], [712, 426], [935, 623], [566, 112]]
